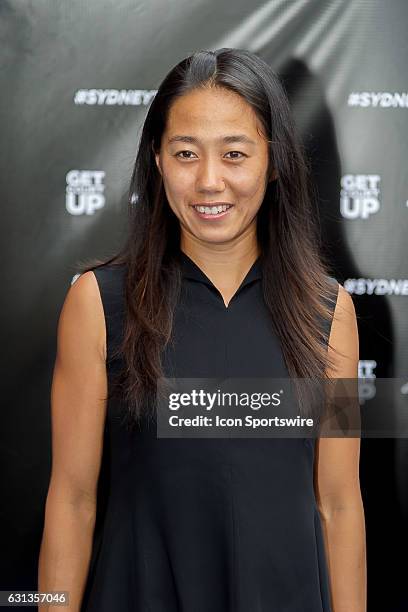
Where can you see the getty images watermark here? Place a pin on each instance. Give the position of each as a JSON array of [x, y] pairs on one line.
[[282, 407]]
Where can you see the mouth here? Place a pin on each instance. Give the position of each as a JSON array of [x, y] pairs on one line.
[[212, 211]]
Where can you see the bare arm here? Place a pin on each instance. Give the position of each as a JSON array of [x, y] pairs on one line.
[[337, 480], [78, 409]]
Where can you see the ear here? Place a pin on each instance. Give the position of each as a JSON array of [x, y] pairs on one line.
[[273, 176], [156, 158]]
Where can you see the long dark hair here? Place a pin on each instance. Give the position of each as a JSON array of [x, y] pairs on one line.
[[296, 287]]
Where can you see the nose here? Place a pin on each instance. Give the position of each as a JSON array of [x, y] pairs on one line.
[[209, 175]]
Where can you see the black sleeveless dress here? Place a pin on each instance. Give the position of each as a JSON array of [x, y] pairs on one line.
[[205, 524]]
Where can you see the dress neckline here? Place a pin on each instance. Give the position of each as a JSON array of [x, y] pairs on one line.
[[191, 270]]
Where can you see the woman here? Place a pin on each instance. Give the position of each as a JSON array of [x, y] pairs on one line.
[[220, 276]]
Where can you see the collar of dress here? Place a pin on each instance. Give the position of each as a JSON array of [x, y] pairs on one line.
[[192, 271]]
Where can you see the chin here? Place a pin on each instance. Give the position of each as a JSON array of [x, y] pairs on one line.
[[214, 237]]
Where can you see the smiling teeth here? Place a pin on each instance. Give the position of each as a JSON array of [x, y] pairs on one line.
[[212, 210]]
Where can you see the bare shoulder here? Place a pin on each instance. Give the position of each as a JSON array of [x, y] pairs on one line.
[[343, 341], [345, 305], [82, 313]]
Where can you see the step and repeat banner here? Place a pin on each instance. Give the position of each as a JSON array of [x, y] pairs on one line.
[[77, 78]]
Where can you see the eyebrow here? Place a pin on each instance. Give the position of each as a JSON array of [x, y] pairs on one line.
[[226, 139]]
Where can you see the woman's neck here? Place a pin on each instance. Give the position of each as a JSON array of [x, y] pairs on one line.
[[225, 264]]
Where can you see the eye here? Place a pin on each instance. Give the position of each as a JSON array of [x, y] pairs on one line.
[[239, 153], [182, 157]]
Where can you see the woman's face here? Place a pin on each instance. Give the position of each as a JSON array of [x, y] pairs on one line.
[[213, 153]]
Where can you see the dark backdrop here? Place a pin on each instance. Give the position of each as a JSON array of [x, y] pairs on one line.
[[76, 80]]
